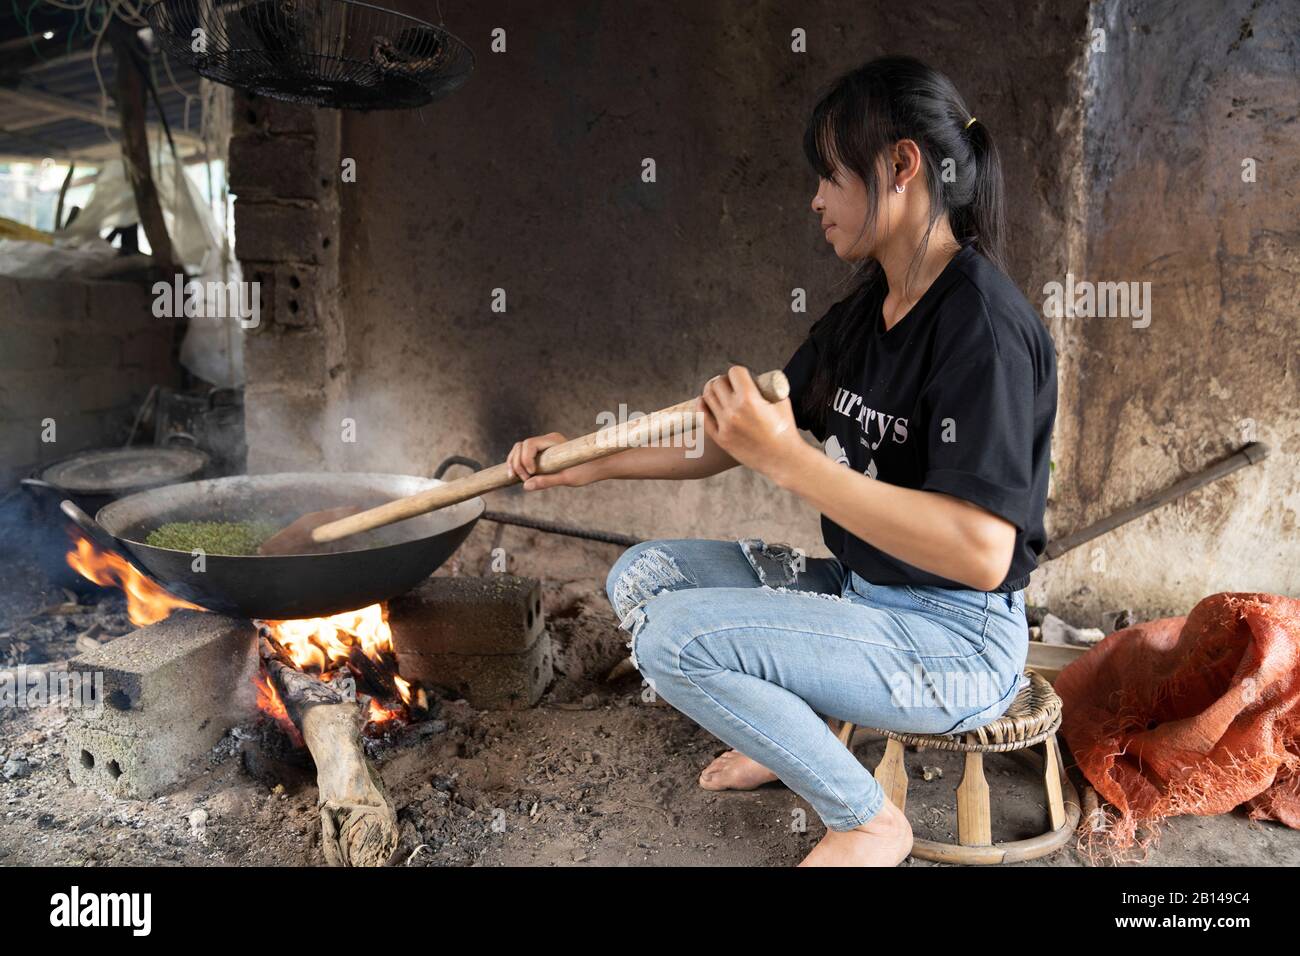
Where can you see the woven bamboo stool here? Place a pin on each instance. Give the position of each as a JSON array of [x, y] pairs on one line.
[[1030, 722]]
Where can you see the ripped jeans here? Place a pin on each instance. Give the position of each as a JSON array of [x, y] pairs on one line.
[[758, 645]]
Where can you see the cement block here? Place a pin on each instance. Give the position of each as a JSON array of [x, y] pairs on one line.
[[283, 424], [278, 355], [280, 167], [255, 115], [483, 638], [89, 350], [500, 614], [170, 692], [278, 232], [150, 349], [45, 302], [26, 348], [487, 681]]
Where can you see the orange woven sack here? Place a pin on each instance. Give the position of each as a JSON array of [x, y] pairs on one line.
[[1194, 715]]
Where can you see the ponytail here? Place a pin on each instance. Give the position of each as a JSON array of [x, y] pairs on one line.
[[983, 219]]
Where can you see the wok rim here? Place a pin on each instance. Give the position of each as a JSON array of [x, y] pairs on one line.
[[479, 508]]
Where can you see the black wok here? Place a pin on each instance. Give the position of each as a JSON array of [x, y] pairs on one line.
[[360, 570]]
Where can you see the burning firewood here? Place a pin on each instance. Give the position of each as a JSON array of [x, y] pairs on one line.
[[358, 824]]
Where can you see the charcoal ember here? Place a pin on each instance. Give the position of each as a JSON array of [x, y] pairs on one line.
[[270, 758]]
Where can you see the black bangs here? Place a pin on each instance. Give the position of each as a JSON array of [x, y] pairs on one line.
[[819, 138], [848, 128]]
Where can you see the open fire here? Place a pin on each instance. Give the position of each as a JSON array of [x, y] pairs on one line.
[[146, 602], [352, 651]]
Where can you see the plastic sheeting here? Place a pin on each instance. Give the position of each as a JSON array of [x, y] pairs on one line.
[[213, 345], [190, 225]]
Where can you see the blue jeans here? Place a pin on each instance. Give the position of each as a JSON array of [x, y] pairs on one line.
[[754, 642]]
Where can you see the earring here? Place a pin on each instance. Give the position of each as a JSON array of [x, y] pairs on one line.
[[899, 187]]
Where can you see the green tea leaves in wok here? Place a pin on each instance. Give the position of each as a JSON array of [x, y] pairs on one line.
[[212, 537]]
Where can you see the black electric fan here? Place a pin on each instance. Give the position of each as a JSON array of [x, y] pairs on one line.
[[334, 53]]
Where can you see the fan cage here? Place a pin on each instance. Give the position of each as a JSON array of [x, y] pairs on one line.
[[343, 54]]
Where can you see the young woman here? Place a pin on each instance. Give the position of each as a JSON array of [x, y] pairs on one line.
[[932, 390]]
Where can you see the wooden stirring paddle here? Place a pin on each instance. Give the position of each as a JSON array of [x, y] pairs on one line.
[[661, 427]]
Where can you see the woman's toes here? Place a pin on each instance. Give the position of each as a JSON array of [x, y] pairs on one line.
[[734, 771]]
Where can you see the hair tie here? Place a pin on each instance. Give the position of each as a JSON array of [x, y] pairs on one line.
[[968, 122]]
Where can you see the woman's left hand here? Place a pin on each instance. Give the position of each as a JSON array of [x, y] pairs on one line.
[[757, 433]]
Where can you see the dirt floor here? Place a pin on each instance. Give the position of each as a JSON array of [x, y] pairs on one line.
[[594, 775]]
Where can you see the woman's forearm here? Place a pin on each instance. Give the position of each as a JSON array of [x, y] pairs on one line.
[[671, 463], [929, 530]]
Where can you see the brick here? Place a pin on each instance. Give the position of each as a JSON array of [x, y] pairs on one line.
[[281, 426], [55, 301], [170, 691], [487, 681], [500, 614], [279, 167], [89, 349], [301, 296], [279, 356], [482, 638], [277, 232], [150, 349], [254, 115], [28, 348]]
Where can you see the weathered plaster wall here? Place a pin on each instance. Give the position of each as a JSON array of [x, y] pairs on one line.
[[528, 179], [1180, 96], [1122, 163]]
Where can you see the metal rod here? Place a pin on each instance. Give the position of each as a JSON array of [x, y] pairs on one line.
[[1250, 454]]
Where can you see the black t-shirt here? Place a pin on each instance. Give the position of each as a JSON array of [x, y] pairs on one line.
[[958, 397]]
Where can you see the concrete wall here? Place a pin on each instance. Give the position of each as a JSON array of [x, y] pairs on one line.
[[528, 179], [1122, 164], [1179, 97], [81, 353]]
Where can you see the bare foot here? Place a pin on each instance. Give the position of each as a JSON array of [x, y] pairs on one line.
[[884, 840], [734, 771]]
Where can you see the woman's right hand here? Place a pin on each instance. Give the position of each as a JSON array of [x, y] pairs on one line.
[[522, 462]]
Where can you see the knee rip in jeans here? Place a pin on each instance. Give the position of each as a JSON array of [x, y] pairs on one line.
[[778, 567], [653, 572]]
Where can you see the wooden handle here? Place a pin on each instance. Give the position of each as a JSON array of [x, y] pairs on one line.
[[657, 428]]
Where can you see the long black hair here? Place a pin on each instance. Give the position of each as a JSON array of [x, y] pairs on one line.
[[852, 127]]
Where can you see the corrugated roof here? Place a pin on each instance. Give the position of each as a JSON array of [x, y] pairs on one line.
[[50, 100]]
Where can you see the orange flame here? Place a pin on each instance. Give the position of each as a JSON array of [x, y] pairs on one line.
[[318, 645], [379, 714], [321, 644], [146, 602], [269, 703]]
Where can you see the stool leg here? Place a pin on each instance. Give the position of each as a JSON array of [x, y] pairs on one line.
[[891, 773], [846, 733], [974, 821], [1052, 782]]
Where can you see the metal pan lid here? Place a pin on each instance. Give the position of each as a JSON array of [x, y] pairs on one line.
[[118, 470]]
